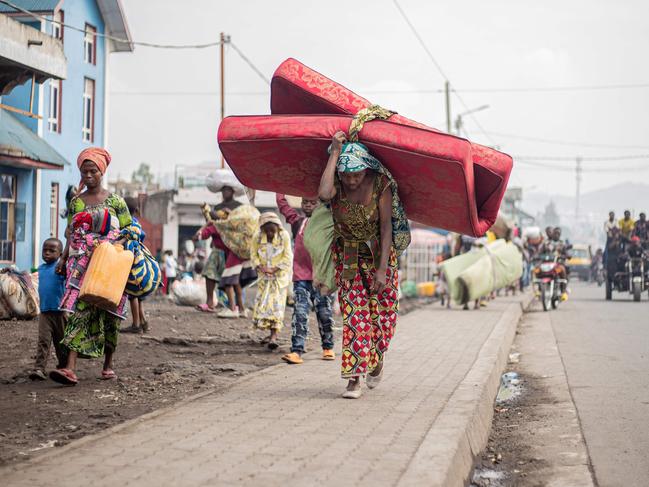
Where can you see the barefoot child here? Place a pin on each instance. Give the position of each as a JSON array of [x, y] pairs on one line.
[[51, 321], [272, 256]]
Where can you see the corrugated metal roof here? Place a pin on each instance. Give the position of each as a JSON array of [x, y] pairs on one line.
[[31, 5], [18, 142]]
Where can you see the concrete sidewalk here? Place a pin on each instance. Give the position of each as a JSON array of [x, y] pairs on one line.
[[287, 425]]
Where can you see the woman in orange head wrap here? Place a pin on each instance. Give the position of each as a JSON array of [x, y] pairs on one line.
[[94, 216]]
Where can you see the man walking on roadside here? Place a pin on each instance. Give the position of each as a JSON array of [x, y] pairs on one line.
[[306, 295]]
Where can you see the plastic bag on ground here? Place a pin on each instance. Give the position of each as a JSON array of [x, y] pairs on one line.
[[189, 292]]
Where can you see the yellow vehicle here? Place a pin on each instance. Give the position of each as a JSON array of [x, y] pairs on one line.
[[580, 261]]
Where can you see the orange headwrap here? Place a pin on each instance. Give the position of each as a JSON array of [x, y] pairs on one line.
[[99, 156]]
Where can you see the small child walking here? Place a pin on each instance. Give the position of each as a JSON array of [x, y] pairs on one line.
[[307, 296], [51, 321], [271, 255]]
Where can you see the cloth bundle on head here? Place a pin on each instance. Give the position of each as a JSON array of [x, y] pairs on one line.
[[355, 157], [269, 217], [99, 156], [220, 178]]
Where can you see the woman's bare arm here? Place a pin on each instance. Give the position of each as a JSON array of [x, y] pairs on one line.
[[385, 220], [327, 189]]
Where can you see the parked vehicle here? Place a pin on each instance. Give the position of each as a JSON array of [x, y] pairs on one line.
[[547, 281], [580, 261]]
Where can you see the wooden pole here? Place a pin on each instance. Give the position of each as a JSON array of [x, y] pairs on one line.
[[31, 96], [447, 91], [222, 50]]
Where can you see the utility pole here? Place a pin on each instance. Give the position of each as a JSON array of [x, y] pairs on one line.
[[578, 171], [224, 39], [447, 91]]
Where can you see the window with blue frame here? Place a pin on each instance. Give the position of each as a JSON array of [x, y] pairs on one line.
[[8, 218]]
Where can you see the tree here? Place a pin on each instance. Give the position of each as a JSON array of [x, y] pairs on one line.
[[142, 174]]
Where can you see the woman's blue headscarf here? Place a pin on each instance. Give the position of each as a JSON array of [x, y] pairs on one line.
[[355, 157]]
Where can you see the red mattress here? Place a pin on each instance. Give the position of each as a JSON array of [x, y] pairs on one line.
[[444, 181]]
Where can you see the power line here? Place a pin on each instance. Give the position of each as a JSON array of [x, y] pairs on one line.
[[546, 89], [566, 142], [110, 37], [421, 41], [440, 70], [551, 167], [250, 63], [588, 158], [145, 44]]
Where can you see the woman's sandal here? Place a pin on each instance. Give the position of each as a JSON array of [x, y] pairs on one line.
[[273, 345], [64, 376], [108, 374], [205, 308]]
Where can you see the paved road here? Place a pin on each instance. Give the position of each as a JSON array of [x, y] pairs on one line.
[[605, 349], [287, 425]]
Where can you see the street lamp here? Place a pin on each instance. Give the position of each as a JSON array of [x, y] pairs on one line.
[[458, 121]]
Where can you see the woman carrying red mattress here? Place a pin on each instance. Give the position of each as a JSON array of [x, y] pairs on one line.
[[370, 231]]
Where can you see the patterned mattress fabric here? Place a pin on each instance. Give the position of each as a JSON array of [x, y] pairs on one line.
[[444, 181]]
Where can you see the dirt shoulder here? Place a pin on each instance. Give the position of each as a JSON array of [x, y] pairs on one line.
[[184, 353], [535, 438]]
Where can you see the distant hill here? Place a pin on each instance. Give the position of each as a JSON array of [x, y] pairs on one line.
[[596, 204]]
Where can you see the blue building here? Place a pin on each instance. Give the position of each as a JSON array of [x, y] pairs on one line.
[[71, 114]]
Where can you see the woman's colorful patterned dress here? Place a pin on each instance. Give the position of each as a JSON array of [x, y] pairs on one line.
[[91, 330], [369, 320]]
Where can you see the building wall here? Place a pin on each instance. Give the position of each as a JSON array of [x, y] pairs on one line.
[[69, 142]]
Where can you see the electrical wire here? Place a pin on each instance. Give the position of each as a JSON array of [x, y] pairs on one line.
[[550, 167], [145, 44], [441, 71], [586, 158], [249, 63], [110, 37], [566, 142]]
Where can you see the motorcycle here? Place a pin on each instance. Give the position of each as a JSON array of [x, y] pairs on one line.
[[633, 279], [598, 274], [547, 281]]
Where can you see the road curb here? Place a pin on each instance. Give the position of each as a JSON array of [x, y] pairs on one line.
[[446, 456]]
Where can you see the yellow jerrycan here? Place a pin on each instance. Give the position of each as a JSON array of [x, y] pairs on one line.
[[106, 277]]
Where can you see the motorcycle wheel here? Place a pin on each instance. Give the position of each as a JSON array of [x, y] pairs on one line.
[[555, 303], [545, 298], [609, 290], [637, 291]]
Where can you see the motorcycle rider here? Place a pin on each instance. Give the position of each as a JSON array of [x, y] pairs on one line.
[[641, 230], [554, 245], [596, 262], [634, 249], [615, 251], [626, 225]]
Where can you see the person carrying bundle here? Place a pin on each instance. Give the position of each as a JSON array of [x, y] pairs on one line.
[[371, 228], [94, 216]]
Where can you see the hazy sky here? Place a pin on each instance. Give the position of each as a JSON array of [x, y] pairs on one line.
[[368, 47]]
